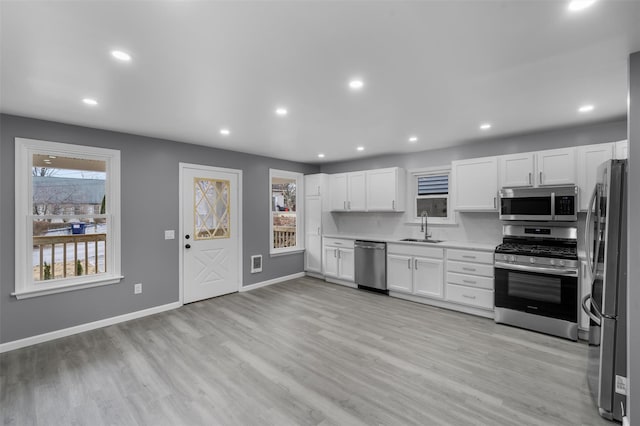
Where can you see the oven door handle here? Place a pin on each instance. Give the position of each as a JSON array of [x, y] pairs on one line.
[[542, 270], [587, 311]]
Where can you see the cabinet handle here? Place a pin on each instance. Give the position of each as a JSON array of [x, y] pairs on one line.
[[466, 256], [318, 189], [469, 282], [495, 203], [541, 178], [469, 269], [318, 230], [349, 204], [393, 204], [416, 263], [339, 254], [468, 297], [335, 253], [344, 205], [529, 178], [409, 263]]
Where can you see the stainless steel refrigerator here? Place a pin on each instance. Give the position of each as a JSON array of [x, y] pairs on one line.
[[606, 245]]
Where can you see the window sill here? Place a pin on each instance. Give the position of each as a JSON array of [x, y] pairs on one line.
[[103, 280], [285, 252]]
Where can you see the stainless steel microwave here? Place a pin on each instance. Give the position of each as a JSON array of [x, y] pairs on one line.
[[558, 203]]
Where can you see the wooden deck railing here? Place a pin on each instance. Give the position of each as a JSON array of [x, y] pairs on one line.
[[61, 268], [284, 236]]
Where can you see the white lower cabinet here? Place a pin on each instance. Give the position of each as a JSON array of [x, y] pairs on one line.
[[415, 270], [470, 278], [339, 259], [427, 277], [399, 273]]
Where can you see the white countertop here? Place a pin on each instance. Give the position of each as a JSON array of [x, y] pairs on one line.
[[396, 240]]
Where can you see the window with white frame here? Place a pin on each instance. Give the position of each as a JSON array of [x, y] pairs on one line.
[[431, 195], [286, 196], [67, 206]]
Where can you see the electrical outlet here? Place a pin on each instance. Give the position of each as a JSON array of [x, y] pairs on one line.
[[169, 234], [137, 288]]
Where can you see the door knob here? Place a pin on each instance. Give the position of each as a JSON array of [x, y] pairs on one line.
[[187, 236], [187, 246]]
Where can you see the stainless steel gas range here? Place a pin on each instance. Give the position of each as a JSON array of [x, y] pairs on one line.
[[536, 278]]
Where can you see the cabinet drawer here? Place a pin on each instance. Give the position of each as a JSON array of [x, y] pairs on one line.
[[470, 256], [416, 250], [338, 242], [470, 268], [470, 280], [477, 297]]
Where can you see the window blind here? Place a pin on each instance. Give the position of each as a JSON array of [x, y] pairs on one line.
[[433, 184]]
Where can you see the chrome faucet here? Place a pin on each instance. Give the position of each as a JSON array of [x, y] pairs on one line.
[[424, 223]]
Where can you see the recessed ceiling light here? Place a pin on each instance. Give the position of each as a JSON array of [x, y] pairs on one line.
[[120, 55], [282, 112], [47, 161], [320, 155], [52, 156], [413, 139], [225, 132], [89, 101], [360, 148], [577, 5], [485, 126], [586, 108], [356, 84]]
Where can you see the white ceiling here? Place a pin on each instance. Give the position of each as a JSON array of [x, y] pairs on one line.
[[435, 69]]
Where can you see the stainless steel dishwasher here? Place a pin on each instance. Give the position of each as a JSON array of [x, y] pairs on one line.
[[371, 265]]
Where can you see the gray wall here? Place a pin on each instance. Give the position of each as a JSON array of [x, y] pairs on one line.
[[149, 170], [633, 300], [573, 136]]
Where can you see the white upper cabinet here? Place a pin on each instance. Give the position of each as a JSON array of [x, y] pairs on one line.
[[348, 191], [542, 168], [556, 167], [517, 170], [385, 190], [589, 158], [622, 150], [313, 185], [377, 190], [356, 187], [475, 184], [339, 193]]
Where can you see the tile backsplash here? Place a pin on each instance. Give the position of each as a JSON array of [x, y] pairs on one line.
[[472, 227]]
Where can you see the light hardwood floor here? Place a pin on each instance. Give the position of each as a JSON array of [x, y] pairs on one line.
[[297, 353]]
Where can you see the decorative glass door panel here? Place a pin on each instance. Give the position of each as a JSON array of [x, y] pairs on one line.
[[211, 209]]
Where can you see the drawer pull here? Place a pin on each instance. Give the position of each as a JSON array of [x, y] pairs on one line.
[[469, 269], [469, 282], [468, 297], [468, 257]]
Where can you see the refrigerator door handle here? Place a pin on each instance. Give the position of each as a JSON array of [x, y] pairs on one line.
[[587, 311], [587, 231]]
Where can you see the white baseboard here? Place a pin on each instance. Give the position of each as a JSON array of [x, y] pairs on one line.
[[41, 338], [272, 281], [315, 275], [444, 304], [341, 282]]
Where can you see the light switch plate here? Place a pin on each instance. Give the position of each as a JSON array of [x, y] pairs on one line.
[[169, 234]]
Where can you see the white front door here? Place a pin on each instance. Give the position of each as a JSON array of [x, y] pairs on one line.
[[211, 250]]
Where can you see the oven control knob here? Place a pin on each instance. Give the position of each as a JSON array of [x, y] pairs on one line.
[[532, 260], [552, 262], [513, 258], [562, 263]]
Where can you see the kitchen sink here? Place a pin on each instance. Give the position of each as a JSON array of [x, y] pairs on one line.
[[415, 240]]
